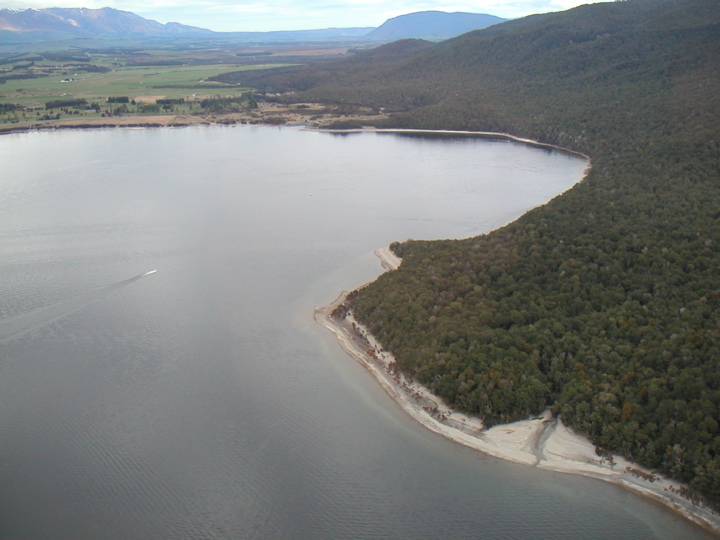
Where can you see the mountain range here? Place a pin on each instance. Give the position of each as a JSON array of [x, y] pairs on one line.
[[53, 24], [431, 25]]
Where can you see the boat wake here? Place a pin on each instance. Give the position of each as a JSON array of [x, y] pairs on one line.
[[35, 319]]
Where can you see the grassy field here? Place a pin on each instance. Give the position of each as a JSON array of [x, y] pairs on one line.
[[31, 81]]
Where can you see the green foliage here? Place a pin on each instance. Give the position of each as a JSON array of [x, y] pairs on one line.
[[60, 103], [170, 101], [9, 107], [63, 56], [344, 124], [603, 304], [90, 68], [227, 104]]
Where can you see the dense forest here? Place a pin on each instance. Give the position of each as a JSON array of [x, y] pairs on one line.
[[604, 304]]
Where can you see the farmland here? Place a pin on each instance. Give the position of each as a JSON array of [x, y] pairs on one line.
[[54, 86]]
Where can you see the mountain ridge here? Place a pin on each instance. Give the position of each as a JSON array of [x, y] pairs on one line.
[[432, 25], [64, 23], [51, 24]]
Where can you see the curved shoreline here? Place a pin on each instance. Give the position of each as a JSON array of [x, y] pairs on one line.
[[543, 442], [174, 121], [267, 114], [479, 134]]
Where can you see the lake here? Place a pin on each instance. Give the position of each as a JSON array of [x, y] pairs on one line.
[[202, 401]]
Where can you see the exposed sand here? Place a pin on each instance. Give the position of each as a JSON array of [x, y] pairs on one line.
[[266, 114], [542, 442]]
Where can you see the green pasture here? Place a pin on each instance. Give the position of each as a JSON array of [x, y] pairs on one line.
[[149, 82]]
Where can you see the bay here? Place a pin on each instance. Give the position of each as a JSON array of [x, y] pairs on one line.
[[202, 401]]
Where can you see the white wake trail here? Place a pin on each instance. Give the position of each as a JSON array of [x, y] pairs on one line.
[[35, 319]]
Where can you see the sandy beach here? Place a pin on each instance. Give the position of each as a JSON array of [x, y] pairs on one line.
[[543, 442]]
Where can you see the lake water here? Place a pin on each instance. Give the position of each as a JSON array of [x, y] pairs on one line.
[[202, 401]]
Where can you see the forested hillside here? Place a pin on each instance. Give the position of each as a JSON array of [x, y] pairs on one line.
[[605, 303]]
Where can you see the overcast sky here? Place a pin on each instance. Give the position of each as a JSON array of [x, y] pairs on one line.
[[267, 15]]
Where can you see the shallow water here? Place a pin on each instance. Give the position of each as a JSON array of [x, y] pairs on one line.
[[202, 401]]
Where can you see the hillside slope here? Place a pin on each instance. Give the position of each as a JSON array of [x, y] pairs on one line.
[[605, 303]]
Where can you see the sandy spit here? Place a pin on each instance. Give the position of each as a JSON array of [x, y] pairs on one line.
[[543, 442], [479, 134]]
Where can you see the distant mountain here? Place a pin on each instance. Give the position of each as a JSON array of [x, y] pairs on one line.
[[33, 25], [431, 25], [57, 24], [53, 24]]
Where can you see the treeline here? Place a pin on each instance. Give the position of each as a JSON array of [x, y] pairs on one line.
[[10, 107], [216, 104], [170, 101], [10, 76], [66, 103], [89, 68], [604, 304], [227, 104]]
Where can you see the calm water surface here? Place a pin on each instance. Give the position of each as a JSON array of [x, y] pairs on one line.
[[202, 401]]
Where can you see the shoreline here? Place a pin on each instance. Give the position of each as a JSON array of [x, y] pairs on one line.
[[267, 114], [108, 122], [479, 134], [291, 118], [543, 442]]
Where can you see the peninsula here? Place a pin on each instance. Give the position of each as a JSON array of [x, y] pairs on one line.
[[544, 441], [601, 305]]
